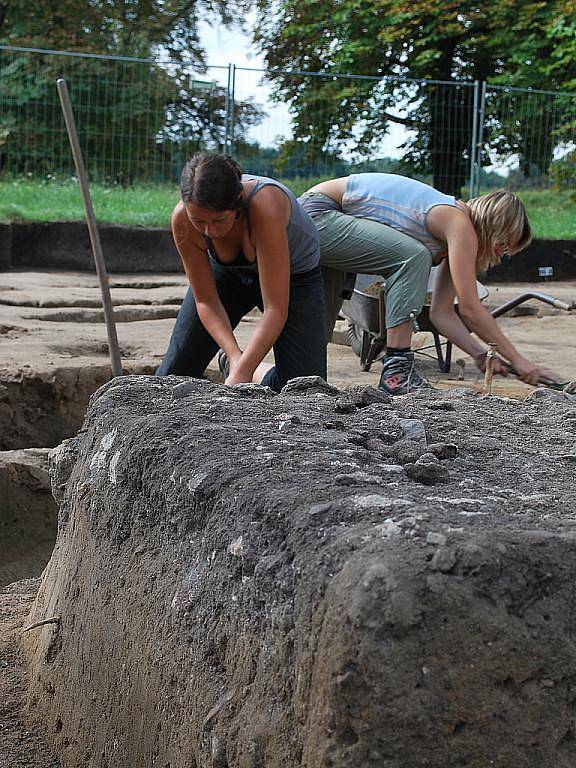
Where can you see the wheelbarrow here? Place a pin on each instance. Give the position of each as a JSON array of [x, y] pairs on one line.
[[365, 312]]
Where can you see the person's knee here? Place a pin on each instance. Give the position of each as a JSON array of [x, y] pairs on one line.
[[413, 274], [406, 291], [419, 264]]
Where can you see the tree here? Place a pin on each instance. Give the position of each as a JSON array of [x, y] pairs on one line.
[[137, 119], [116, 27], [395, 41]]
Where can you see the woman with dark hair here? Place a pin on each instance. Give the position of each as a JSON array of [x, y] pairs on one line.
[[245, 243]]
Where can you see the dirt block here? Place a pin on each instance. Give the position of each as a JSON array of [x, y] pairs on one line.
[[219, 599], [28, 514], [5, 246], [66, 245]]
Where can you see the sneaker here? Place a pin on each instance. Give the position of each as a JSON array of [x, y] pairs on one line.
[[399, 376], [223, 364]]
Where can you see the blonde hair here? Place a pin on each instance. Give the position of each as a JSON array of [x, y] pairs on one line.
[[500, 220]]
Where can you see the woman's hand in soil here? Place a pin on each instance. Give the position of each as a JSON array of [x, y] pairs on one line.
[[238, 374]]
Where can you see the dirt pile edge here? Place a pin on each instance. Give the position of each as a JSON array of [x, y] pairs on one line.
[[311, 579]]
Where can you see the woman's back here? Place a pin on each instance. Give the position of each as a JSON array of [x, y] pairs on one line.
[[300, 230]]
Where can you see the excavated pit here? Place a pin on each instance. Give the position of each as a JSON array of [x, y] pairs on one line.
[[311, 579], [54, 356], [41, 409], [38, 410], [28, 514]]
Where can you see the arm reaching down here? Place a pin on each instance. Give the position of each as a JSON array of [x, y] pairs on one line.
[[197, 267], [445, 318], [269, 216], [456, 229]]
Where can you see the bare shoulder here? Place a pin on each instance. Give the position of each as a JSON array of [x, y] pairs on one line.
[[183, 232], [444, 220], [333, 188], [270, 203], [179, 218]]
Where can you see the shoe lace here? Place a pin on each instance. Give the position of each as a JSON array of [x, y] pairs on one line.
[[399, 366]]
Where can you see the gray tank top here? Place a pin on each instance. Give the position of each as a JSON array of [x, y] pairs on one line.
[[303, 242], [397, 201]]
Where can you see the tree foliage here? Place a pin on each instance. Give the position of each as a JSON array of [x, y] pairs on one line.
[[136, 119], [116, 27], [522, 42]]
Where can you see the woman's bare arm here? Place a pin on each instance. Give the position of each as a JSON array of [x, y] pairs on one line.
[[445, 318], [269, 215], [197, 267], [457, 230]]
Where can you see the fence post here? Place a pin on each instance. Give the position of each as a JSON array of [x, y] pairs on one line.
[[229, 111], [481, 117], [474, 140], [232, 100]]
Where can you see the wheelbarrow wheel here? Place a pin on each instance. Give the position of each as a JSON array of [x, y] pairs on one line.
[[354, 334]]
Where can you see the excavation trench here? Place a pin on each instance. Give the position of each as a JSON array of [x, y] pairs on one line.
[[54, 356], [314, 578], [37, 412]]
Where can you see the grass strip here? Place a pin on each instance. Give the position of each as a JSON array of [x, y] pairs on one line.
[[552, 213]]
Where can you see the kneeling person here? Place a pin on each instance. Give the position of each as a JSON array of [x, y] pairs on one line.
[[389, 225], [245, 243]]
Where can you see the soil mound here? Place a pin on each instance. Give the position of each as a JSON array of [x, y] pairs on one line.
[[316, 578]]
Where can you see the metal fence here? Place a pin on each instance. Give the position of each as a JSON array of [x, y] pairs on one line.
[[140, 119], [528, 137]]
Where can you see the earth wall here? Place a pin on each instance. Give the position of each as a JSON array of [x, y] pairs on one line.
[[316, 578]]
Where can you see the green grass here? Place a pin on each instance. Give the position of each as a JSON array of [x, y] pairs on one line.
[[146, 206], [552, 213], [61, 200]]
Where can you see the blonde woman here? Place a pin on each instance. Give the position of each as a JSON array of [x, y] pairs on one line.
[[380, 223]]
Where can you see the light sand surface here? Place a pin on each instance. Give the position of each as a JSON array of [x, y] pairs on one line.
[[53, 319]]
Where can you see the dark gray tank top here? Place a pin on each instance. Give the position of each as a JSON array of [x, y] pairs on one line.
[[303, 242]]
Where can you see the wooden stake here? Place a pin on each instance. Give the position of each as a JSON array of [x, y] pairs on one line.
[[489, 372]]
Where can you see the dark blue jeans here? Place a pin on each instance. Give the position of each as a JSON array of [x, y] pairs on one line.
[[300, 350]]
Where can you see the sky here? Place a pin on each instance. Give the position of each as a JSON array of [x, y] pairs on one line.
[[225, 46], [228, 46]]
